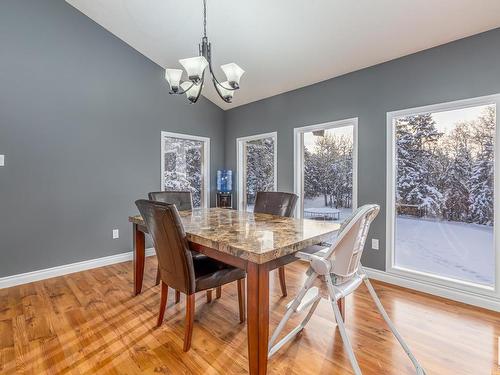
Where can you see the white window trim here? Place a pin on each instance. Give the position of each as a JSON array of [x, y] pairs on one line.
[[434, 281], [206, 162], [298, 170], [240, 142]]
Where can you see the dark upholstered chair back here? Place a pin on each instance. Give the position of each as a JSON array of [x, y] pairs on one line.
[[181, 199], [172, 249], [275, 203]]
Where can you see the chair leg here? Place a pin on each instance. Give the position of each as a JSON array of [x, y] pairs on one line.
[[241, 299], [157, 276], [281, 271], [188, 329], [163, 303], [392, 327], [177, 297], [218, 292], [209, 296]]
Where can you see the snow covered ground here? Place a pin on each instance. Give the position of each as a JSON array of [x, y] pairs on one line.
[[458, 250], [319, 202]]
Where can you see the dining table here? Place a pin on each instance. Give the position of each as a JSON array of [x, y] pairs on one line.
[[257, 243]]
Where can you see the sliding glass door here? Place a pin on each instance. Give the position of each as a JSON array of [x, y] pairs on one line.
[[185, 165], [325, 170], [442, 193], [257, 167]]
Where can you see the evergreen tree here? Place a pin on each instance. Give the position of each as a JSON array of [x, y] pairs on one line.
[[481, 181], [193, 173], [416, 140], [260, 167], [456, 200], [312, 175], [328, 171]]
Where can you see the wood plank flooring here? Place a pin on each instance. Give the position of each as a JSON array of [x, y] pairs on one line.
[[89, 323]]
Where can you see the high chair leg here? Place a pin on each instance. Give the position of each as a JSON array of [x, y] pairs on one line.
[[292, 308], [341, 326], [392, 327]]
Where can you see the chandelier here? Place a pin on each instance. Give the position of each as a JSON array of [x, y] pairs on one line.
[[195, 69]]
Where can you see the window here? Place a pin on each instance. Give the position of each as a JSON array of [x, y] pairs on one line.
[[185, 165], [441, 186], [326, 169], [257, 167]]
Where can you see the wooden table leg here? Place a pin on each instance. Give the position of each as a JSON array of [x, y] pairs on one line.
[[281, 271], [257, 317], [139, 256]]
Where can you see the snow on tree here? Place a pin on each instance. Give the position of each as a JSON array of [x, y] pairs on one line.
[[457, 177], [481, 194], [193, 173], [183, 167], [260, 167], [450, 174], [328, 170], [416, 139]]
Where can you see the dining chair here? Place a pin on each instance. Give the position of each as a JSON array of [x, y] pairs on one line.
[[179, 269], [183, 200], [280, 204], [340, 269]]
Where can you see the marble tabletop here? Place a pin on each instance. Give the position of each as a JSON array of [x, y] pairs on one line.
[[258, 238]]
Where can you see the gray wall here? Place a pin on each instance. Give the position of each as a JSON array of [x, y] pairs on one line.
[[466, 68], [81, 114], [80, 120]]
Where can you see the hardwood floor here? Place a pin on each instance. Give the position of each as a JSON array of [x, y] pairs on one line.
[[89, 323]]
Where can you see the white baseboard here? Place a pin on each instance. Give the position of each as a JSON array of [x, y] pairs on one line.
[[29, 277], [437, 290]]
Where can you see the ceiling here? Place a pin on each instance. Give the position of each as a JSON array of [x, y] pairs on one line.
[[287, 44]]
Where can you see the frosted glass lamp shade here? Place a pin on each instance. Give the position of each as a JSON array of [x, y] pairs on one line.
[[173, 77], [233, 74], [226, 94], [193, 92], [194, 67]]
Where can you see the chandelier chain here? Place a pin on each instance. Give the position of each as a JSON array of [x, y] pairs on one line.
[[205, 18]]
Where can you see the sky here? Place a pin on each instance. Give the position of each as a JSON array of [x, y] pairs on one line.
[[446, 121], [309, 138]]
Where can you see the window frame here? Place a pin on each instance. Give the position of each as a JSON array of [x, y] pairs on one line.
[[433, 280], [241, 164], [298, 158], [205, 196]]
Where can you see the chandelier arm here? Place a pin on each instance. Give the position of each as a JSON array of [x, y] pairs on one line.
[[217, 81], [202, 82], [182, 92], [218, 91]]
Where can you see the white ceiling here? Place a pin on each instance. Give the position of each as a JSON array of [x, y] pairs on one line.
[[287, 44]]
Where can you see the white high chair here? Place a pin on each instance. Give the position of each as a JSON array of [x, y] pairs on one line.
[[340, 268]]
